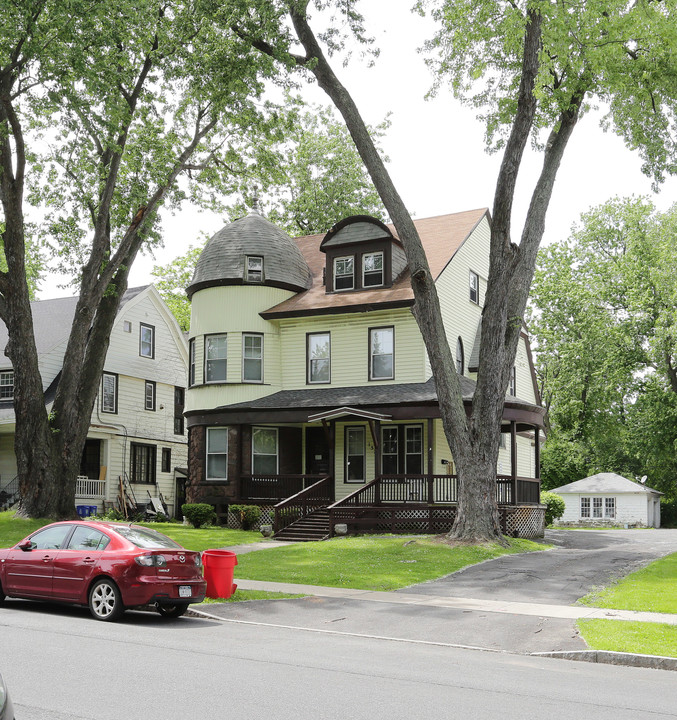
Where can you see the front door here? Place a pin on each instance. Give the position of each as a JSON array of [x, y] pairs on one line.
[[317, 452]]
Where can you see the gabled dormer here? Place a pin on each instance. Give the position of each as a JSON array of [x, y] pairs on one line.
[[361, 254]]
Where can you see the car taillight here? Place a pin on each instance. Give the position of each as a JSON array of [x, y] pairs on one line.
[[198, 560], [151, 560]]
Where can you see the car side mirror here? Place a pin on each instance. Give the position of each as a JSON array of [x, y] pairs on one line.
[[26, 545]]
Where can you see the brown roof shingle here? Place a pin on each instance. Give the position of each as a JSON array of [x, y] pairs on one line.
[[441, 237]]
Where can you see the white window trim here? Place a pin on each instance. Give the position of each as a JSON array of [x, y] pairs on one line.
[[191, 362], [253, 335], [207, 454], [151, 328], [248, 271], [352, 276], [7, 374], [373, 254], [347, 431], [149, 385]]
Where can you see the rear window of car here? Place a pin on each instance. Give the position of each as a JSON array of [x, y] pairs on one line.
[[146, 538]]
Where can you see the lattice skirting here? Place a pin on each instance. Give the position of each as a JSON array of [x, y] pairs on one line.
[[526, 521], [267, 517]]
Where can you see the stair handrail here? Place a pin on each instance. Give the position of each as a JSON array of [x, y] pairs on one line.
[[301, 498]]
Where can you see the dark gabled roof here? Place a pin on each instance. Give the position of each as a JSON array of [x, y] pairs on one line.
[[222, 262]]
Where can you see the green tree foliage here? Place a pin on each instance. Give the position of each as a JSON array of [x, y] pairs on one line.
[[605, 323], [316, 178], [103, 106]]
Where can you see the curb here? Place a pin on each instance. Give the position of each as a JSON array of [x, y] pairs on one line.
[[655, 662]]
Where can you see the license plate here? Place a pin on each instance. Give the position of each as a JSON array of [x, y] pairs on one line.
[[185, 591]]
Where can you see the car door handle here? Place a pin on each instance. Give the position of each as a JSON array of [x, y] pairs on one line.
[[47, 558], [89, 560]]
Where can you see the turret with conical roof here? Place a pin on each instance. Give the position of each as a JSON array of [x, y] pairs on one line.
[[251, 250]]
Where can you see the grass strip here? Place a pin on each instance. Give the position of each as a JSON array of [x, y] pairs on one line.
[[246, 595], [369, 562], [651, 589], [629, 636]]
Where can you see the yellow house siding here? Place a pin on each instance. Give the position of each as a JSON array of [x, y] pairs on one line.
[[234, 311], [459, 314], [350, 348]]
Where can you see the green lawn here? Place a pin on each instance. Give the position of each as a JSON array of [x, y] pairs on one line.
[[651, 589], [14, 529], [368, 562], [631, 637]]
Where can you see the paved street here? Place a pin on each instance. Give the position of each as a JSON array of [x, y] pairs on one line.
[[62, 665]]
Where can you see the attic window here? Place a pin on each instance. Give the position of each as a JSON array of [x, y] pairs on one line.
[[254, 268], [344, 275], [372, 269]]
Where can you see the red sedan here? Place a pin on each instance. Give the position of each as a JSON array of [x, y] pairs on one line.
[[108, 566]]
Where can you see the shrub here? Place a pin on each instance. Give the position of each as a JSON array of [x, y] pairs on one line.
[[554, 506], [199, 514], [249, 515]]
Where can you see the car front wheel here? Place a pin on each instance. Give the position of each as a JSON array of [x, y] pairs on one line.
[[105, 601], [172, 611]]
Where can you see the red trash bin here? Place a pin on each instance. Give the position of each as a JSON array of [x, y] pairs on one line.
[[218, 567]]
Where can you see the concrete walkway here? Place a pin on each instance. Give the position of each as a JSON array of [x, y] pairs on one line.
[[566, 612]]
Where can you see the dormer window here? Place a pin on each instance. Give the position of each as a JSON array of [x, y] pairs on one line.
[[372, 269], [344, 273], [254, 269]]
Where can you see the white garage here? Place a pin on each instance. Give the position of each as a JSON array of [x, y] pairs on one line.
[[610, 499]]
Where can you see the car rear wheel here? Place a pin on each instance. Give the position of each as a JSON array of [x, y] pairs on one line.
[[172, 611], [105, 601]]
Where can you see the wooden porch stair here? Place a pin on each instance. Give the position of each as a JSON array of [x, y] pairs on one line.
[[314, 526]]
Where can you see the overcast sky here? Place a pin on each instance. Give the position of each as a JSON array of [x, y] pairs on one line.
[[436, 148]]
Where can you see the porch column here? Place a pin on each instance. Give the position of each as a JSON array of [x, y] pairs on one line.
[[513, 461], [375, 428], [431, 493], [537, 452]]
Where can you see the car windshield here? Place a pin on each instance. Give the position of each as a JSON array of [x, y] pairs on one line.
[[145, 537]]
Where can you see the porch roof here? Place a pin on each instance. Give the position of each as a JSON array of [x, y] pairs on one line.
[[397, 401]]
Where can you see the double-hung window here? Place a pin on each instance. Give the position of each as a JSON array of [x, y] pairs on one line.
[[610, 507], [109, 393], [147, 341], [381, 353], [413, 450], [597, 507], [585, 507], [264, 451], [344, 273], [474, 287], [191, 362], [217, 454], [179, 402], [216, 353], [7, 385], [372, 269], [319, 357], [390, 450], [149, 395], [512, 385], [252, 358]]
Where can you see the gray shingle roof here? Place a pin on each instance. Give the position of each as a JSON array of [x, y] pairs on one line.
[[223, 259], [605, 483], [52, 320]]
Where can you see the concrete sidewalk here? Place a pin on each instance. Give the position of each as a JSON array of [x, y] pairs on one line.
[[566, 612]]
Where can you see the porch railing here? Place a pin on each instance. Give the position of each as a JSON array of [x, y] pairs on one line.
[[86, 487], [274, 488], [312, 498]]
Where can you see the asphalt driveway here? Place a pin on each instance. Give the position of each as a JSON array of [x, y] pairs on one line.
[[581, 561]]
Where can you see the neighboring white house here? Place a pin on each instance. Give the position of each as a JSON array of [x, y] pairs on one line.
[[610, 499], [137, 427]]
